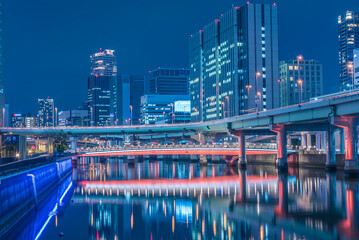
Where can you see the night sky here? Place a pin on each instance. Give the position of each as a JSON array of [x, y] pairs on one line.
[[48, 43]]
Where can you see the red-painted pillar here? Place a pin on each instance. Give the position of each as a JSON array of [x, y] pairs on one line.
[[351, 145], [242, 161]]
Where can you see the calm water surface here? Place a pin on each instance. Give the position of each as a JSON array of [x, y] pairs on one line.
[[165, 200]]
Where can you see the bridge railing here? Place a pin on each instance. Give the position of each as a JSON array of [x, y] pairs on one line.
[[272, 146]]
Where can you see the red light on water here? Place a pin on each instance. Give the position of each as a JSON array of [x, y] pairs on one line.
[[248, 2], [274, 4]]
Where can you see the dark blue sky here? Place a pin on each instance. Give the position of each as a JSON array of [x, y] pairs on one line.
[[48, 43]]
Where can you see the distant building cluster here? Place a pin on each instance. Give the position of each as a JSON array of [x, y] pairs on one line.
[[234, 69]]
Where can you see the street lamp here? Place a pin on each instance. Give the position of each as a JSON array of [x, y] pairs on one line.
[[248, 87], [350, 66], [300, 82], [131, 113], [223, 107], [259, 100], [227, 98], [196, 110], [258, 74], [299, 58], [3, 117], [91, 116]]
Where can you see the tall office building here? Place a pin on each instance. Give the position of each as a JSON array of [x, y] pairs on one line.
[[103, 75], [103, 63], [356, 68], [126, 99], [348, 36], [299, 81], [168, 81], [234, 63], [46, 111], [3, 119]]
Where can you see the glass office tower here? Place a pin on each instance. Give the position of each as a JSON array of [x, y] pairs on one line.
[[234, 63]]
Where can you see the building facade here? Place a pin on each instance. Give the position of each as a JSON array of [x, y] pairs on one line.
[[126, 99], [3, 119], [73, 118], [103, 75], [165, 109], [299, 81], [24, 121], [356, 68], [46, 112], [168, 81], [348, 37], [99, 94], [234, 63]]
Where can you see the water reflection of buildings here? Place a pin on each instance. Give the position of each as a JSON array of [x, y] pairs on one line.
[[141, 202]]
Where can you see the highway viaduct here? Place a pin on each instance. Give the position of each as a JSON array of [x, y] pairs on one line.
[[327, 115]]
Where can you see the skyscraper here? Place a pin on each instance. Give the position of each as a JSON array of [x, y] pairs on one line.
[[348, 36], [356, 68], [104, 63], [234, 63], [3, 119], [126, 99], [103, 75], [168, 81], [45, 110], [299, 81]]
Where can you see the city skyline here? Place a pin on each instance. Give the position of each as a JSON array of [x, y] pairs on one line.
[[157, 49]]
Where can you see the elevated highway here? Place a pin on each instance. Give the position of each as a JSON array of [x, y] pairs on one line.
[[326, 115]]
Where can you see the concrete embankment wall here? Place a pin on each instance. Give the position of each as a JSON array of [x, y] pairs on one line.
[[22, 191], [300, 159]]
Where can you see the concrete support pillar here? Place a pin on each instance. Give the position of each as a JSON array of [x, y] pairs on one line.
[[324, 141], [342, 141], [318, 141], [281, 145], [242, 160], [331, 162], [50, 145], [37, 144], [74, 143], [309, 140], [304, 140], [22, 147], [351, 146]]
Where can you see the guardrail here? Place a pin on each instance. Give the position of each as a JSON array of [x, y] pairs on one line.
[[211, 146], [22, 191]]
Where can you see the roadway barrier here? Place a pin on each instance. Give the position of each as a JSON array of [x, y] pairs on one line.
[[21, 192]]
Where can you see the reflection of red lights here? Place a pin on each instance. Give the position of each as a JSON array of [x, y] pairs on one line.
[[346, 227], [169, 182], [230, 152]]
